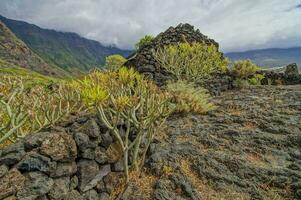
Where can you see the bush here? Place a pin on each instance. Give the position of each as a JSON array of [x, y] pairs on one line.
[[29, 108], [146, 40], [114, 62], [191, 62], [125, 97], [244, 69], [188, 98]]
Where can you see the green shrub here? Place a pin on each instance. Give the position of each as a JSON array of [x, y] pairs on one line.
[[191, 62], [244, 69], [125, 97], [146, 40], [189, 98], [256, 79], [27, 109], [114, 62]]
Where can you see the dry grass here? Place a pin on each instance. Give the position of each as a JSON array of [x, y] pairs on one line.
[[143, 181], [206, 191], [234, 110], [272, 193], [249, 126]]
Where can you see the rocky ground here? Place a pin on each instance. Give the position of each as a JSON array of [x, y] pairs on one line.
[[249, 148]]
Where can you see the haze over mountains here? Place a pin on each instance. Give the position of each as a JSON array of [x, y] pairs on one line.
[[68, 51], [57, 52]]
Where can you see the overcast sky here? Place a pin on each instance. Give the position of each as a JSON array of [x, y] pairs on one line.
[[236, 24]]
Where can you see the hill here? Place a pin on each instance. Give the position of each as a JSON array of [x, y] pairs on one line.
[[68, 51], [270, 57], [14, 52]]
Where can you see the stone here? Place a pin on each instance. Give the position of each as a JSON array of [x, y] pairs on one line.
[[12, 182], [104, 170], [118, 166], [36, 162], [107, 140], [90, 128], [64, 169], [12, 154], [292, 75], [87, 170], [82, 141], [60, 147], [104, 196], [36, 184], [32, 141], [111, 181], [88, 153], [3, 170], [74, 195], [101, 156], [60, 189], [91, 195]]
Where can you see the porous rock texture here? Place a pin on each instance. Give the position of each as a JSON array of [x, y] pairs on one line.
[[71, 161], [248, 148]]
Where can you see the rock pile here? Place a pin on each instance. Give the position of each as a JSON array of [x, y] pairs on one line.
[[143, 59], [76, 161], [286, 76]]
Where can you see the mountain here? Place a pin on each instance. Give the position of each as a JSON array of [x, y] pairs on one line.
[[15, 53], [270, 57], [68, 51]]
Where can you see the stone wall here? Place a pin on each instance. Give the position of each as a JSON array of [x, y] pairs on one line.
[[78, 160], [285, 76], [143, 60]]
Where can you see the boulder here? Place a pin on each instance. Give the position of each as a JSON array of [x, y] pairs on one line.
[[60, 147]]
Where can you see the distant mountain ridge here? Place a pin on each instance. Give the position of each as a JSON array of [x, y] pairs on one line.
[[15, 53], [274, 57], [68, 51]]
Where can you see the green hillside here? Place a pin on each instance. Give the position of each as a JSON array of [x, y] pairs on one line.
[[68, 51]]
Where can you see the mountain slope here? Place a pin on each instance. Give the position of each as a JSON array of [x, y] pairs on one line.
[[68, 51], [14, 52], [270, 57]]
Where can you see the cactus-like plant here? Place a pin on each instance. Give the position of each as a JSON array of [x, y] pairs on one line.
[[125, 98], [191, 62]]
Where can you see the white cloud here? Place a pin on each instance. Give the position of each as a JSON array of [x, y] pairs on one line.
[[235, 24]]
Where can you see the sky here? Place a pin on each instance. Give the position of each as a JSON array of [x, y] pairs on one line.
[[237, 25]]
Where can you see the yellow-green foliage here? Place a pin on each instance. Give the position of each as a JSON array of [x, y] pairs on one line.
[[124, 96], [28, 108], [244, 69], [190, 98], [114, 62], [146, 40], [191, 62]]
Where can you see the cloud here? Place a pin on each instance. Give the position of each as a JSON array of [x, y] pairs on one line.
[[235, 24]]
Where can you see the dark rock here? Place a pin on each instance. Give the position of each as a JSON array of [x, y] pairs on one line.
[[74, 195], [60, 189], [101, 156], [143, 60], [36, 162], [60, 147], [12, 154], [82, 141], [90, 128], [64, 169], [12, 182], [118, 166], [35, 140], [3, 170], [111, 181], [37, 184], [103, 171], [104, 196], [91, 195], [87, 170], [107, 140], [292, 75]]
